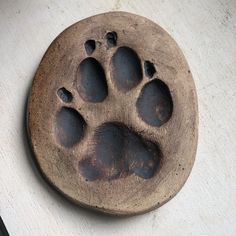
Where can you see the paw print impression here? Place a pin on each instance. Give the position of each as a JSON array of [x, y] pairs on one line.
[[117, 151], [112, 115]]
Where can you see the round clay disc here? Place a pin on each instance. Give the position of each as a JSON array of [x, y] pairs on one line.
[[112, 114]]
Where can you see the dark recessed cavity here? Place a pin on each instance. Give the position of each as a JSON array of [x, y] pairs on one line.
[[69, 127], [91, 81], [90, 46], [109, 138], [89, 170], [119, 152], [155, 104], [126, 68], [64, 95], [111, 38], [149, 68], [143, 156]]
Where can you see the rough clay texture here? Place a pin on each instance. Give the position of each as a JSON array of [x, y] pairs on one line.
[[62, 142]]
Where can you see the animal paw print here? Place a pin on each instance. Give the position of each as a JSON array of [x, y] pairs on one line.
[[115, 148]]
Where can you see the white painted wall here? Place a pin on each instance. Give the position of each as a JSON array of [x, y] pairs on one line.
[[206, 32]]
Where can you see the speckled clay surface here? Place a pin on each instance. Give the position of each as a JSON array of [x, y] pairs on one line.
[[112, 114]]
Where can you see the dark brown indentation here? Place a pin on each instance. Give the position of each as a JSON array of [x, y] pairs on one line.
[[64, 95], [91, 81], [126, 68], [110, 139], [149, 68], [69, 126], [90, 46], [143, 156], [111, 38], [119, 152], [155, 104], [89, 169]]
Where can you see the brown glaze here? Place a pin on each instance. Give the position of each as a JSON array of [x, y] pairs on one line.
[[112, 115], [126, 69], [155, 104], [119, 152]]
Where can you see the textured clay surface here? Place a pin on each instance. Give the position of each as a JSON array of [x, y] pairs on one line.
[[112, 114]]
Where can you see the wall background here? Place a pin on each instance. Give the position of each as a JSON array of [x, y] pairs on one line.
[[206, 32]]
